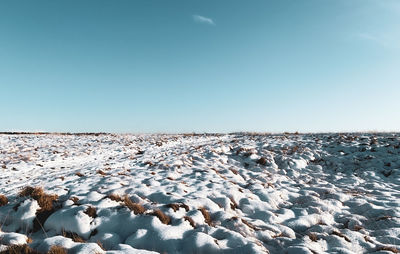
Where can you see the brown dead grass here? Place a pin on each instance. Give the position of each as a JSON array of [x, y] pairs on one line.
[[340, 235], [385, 217], [250, 225], [388, 248], [75, 200], [57, 250], [234, 205], [135, 207], [262, 161], [313, 237], [191, 221], [74, 236], [3, 200], [101, 172], [44, 200], [176, 206], [279, 235], [162, 216], [30, 191], [234, 171], [19, 249], [115, 197], [206, 215], [91, 211]]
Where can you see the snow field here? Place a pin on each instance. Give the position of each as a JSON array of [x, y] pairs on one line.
[[238, 193]]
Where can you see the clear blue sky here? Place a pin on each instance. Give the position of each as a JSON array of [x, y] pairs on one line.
[[215, 66]]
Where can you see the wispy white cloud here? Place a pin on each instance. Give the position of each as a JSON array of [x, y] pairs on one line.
[[388, 40], [373, 38], [203, 20]]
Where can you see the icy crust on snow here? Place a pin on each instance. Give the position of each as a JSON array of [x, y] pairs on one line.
[[238, 193]]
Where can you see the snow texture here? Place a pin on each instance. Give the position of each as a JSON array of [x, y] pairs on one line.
[[236, 193]]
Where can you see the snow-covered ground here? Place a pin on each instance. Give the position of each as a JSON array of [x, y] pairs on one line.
[[239, 193]]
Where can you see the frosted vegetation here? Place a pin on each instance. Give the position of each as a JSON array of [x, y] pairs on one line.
[[238, 193]]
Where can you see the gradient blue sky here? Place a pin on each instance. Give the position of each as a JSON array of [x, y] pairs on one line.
[[215, 66]]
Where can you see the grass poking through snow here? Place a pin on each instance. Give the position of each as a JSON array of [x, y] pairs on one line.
[[134, 207], [206, 215], [57, 250], [162, 216], [19, 249], [3, 200]]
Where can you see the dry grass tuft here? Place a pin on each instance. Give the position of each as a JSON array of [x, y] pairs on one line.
[[191, 221], [262, 161], [341, 235], [33, 192], [313, 237], [250, 225], [91, 211], [162, 216], [75, 200], [234, 205], [101, 172], [176, 206], [19, 249], [3, 200], [385, 217], [388, 248], [135, 207], [367, 239], [74, 236], [57, 250], [115, 197], [44, 200], [234, 171], [279, 235], [206, 215]]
